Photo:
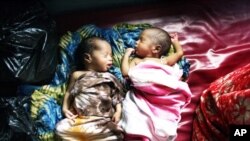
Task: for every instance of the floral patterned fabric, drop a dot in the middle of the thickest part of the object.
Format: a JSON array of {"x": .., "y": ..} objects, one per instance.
[
  {"x": 226, "y": 102},
  {"x": 95, "y": 96}
]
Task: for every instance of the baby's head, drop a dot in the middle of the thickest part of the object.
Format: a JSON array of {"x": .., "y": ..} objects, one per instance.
[
  {"x": 153, "y": 42},
  {"x": 95, "y": 54}
]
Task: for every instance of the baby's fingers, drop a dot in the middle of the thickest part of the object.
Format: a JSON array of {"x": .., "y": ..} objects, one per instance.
[
  {"x": 114, "y": 119},
  {"x": 70, "y": 115},
  {"x": 174, "y": 36},
  {"x": 129, "y": 51}
]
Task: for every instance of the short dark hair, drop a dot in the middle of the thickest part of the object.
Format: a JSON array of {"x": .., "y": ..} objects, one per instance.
[
  {"x": 162, "y": 38},
  {"x": 86, "y": 46}
]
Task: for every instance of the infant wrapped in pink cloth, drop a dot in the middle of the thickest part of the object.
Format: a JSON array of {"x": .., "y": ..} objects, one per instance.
[{"x": 152, "y": 107}]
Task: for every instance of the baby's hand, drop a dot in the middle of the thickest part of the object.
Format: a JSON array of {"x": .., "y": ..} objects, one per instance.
[
  {"x": 116, "y": 117},
  {"x": 68, "y": 114},
  {"x": 129, "y": 51},
  {"x": 174, "y": 37}
]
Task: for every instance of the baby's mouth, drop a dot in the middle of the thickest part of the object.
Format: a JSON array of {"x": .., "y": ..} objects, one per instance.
[
  {"x": 109, "y": 65},
  {"x": 135, "y": 52}
]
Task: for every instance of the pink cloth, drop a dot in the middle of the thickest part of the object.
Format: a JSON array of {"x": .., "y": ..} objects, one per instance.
[{"x": 153, "y": 108}]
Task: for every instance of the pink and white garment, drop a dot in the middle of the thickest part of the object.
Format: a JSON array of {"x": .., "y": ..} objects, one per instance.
[{"x": 152, "y": 108}]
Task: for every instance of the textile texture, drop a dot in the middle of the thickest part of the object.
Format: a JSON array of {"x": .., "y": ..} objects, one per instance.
[{"x": 152, "y": 107}]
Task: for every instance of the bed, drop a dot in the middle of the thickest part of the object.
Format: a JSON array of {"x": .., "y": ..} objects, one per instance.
[{"x": 215, "y": 36}]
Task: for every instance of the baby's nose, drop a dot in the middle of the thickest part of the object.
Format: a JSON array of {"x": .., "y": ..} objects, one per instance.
[{"x": 110, "y": 58}]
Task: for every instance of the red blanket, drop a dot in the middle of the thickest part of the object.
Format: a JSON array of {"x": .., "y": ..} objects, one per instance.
[{"x": 226, "y": 102}]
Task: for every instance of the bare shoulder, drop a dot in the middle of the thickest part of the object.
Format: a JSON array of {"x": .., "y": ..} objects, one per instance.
[
  {"x": 77, "y": 74},
  {"x": 135, "y": 61}
]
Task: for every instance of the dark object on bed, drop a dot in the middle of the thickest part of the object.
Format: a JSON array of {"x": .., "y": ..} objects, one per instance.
[
  {"x": 15, "y": 122},
  {"x": 28, "y": 43}
]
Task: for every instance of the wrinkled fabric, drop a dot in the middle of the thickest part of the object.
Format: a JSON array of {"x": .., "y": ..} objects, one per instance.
[
  {"x": 153, "y": 105},
  {"x": 45, "y": 110},
  {"x": 95, "y": 96},
  {"x": 89, "y": 128},
  {"x": 225, "y": 102}
]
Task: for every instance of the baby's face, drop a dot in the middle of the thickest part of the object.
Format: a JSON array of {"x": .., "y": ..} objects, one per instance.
[
  {"x": 144, "y": 44},
  {"x": 102, "y": 57}
]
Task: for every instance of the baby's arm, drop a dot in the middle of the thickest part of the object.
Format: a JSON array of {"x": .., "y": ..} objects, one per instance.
[
  {"x": 173, "y": 58},
  {"x": 117, "y": 115},
  {"x": 67, "y": 98},
  {"x": 125, "y": 62}
]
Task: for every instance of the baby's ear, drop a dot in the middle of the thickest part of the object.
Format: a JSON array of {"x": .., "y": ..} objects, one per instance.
[
  {"x": 87, "y": 57},
  {"x": 157, "y": 49}
]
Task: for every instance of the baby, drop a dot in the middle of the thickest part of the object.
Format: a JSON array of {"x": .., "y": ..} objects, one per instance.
[
  {"x": 152, "y": 106},
  {"x": 153, "y": 44},
  {"x": 92, "y": 103}
]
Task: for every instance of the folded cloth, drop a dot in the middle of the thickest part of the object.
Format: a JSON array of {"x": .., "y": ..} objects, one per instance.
[
  {"x": 226, "y": 102},
  {"x": 89, "y": 128},
  {"x": 153, "y": 106}
]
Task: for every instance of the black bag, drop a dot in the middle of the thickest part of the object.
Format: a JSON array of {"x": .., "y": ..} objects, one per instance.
[
  {"x": 28, "y": 43},
  {"x": 15, "y": 121}
]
